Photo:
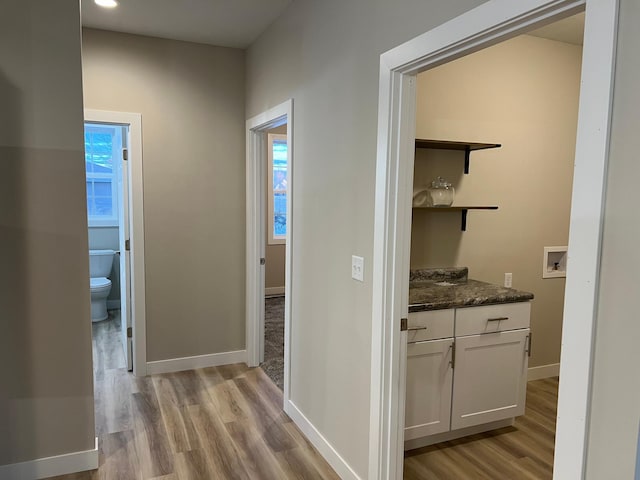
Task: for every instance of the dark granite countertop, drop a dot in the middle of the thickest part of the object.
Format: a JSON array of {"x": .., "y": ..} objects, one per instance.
[{"x": 435, "y": 289}]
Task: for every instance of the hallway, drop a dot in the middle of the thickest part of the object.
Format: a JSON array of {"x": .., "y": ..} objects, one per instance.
[{"x": 214, "y": 423}]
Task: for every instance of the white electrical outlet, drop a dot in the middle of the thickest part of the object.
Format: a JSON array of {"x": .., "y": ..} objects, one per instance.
[
  {"x": 357, "y": 268},
  {"x": 508, "y": 280}
]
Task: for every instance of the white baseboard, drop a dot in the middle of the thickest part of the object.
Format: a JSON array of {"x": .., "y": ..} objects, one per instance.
[
  {"x": 342, "y": 468},
  {"x": 199, "y": 361},
  {"x": 269, "y": 291},
  {"x": 52, "y": 466},
  {"x": 543, "y": 371}
]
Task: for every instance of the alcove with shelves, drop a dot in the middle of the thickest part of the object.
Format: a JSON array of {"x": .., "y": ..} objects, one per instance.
[{"x": 467, "y": 148}]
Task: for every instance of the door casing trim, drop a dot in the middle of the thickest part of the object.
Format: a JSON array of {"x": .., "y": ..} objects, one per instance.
[
  {"x": 256, "y": 159},
  {"x": 136, "y": 229}
]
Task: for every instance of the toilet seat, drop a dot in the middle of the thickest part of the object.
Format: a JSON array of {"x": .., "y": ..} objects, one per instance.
[{"x": 100, "y": 282}]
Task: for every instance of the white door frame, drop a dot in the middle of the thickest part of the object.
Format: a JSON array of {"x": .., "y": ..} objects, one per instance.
[
  {"x": 136, "y": 228},
  {"x": 256, "y": 233},
  {"x": 486, "y": 25}
]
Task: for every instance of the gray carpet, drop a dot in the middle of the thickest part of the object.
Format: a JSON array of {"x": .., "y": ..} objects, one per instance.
[{"x": 273, "y": 364}]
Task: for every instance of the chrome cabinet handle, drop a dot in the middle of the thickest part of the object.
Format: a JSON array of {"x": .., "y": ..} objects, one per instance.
[
  {"x": 416, "y": 328},
  {"x": 497, "y": 319}
]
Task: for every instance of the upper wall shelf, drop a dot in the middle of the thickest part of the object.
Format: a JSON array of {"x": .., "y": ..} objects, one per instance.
[
  {"x": 466, "y": 147},
  {"x": 462, "y": 209}
]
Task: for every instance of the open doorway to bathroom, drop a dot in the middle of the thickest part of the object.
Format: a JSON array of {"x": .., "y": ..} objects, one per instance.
[
  {"x": 106, "y": 155},
  {"x": 113, "y": 142}
]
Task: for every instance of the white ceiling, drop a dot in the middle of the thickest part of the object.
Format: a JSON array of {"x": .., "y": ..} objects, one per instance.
[
  {"x": 226, "y": 23},
  {"x": 568, "y": 30},
  {"x": 234, "y": 23}
]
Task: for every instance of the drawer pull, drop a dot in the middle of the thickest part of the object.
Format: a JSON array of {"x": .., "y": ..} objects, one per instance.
[
  {"x": 497, "y": 319},
  {"x": 416, "y": 328}
]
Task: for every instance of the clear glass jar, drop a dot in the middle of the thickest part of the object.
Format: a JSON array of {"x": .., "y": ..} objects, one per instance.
[{"x": 441, "y": 193}]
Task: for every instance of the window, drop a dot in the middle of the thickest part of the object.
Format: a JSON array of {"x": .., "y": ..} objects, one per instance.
[
  {"x": 102, "y": 151},
  {"x": 277, "y": 188}
]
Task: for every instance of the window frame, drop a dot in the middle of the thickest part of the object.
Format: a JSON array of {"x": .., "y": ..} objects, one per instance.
[
  {"x": 114, "y": 177},
  {"x": 272, "y": 238}
]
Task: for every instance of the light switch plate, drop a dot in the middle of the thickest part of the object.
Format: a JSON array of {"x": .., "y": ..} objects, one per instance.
[
  {"x": 508, "y": 280},
  {"x": 357, "y": 268}
]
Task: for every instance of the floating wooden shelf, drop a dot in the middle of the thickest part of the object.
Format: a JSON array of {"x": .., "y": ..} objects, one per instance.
[
  {"x": 466, "y": 147},
  {"x": 462, "y": 209}
]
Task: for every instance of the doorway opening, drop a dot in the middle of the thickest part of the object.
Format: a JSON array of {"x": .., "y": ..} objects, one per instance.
[
  {"x": 116, "y": 248},
  {"x": 276, "y": 189},
  {"x": 522, "y": 103},
  {"x": 269, "y": 242},
  {"x": 488, "y": 24},
  {"x": 106, "y": 155}
]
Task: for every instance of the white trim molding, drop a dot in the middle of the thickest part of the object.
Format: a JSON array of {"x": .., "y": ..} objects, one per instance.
[
  {"x": 52, "y": 466},
  {"x": 330, "y": 454},
  {"x": 490, "y": 23},
  {"x": 198, "y": 361},
  {"x": 543, "y": 371},
  {"x": 256, "y": 233},
  {"x": 136, "y": 229}
]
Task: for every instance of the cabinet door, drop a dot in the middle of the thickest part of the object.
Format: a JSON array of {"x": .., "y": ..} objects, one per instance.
[
  {"x": 429, "y": 382},
  {"x": 490, "y": 381}
]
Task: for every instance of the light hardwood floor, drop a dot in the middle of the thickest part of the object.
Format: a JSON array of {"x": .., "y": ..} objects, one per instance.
[
  {"x": 524, "y": 451},
  {"x": 227, "y": 423},
  {"x": 213, "y": 423}
]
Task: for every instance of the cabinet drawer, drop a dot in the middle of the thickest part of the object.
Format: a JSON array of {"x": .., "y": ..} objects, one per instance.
[
  {"x": 492, "y": 318},
  {"x": 430, "y": 325}
]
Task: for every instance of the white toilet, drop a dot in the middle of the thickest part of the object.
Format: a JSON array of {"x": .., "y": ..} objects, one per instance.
[{"x": 100, "y": 263}]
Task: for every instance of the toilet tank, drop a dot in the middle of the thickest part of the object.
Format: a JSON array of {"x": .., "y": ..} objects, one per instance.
[{"x": 100, "y": 263}]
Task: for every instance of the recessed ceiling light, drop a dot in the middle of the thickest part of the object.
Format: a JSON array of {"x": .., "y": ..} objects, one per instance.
[{"x": 106, "y": 3}]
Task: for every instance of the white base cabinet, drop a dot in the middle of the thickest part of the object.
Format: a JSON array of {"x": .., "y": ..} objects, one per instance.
[
  {"x": 490, "y": 380},
  {"x": 477, "y": 377},
  {"x": 429, "y": 381}
]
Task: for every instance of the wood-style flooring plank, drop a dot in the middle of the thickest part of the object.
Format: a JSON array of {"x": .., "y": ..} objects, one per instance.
[
  {"x": 213, "y": 423},
  {"x": 227, "y": 423},
  {"x": 313, "y": 456},
  {"x": 180, "y": 430},
  {"x": 222, "y": 454},
  {"x": 119, "y": 456},
  {"x": 152, "y": 443},
  {"x": 229, "y": 402},
  {"x": 268, "y": 421},
  {"x": 259, "y": 460}
]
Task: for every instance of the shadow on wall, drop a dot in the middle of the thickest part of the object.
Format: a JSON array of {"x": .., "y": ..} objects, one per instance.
[{"x": 15, "y": 354}]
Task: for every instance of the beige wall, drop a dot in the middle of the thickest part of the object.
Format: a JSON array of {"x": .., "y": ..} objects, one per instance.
[
  {"x": 326, "y": 55},
  {"x": 192, "y": 104},
  {"x": 46, "y": 390},
  {"x": 274, "y": 254},
  {"x": 615, "y": 401},
  {"x": 522, "y": 94}
]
